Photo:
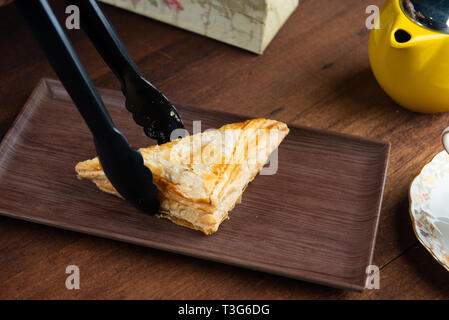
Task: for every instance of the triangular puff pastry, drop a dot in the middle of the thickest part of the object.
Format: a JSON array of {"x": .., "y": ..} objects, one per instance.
[{"x": 201, "y": 177}]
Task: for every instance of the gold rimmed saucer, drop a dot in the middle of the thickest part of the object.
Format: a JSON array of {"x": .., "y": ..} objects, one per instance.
[{"x": 429, "y": 207}]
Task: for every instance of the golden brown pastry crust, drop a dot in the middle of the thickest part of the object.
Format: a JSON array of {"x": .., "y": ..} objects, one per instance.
[{"x": 201, "y": 177}]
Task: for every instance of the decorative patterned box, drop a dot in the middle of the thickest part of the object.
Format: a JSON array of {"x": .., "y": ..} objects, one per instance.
[{"x": 248, "y": 24}]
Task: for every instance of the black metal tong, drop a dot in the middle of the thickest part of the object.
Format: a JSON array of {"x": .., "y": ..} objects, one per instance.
[{"x": 123, "y": 165}]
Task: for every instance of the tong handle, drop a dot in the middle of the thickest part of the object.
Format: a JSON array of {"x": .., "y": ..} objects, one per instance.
[
  {"x": 123, "y": 165},
  {"x": 65, "y": 62},
  {"x": 105, "y": 39},
  {"x": 149, "y": 107}
]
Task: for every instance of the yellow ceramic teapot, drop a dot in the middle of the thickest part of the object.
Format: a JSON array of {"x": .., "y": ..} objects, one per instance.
[{"x": 409, "y": 53}]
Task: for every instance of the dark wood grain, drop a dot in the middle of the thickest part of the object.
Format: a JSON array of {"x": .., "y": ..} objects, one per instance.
[
  {"x": 315, "y": 73},
  {"x": 315, "y": 219}
]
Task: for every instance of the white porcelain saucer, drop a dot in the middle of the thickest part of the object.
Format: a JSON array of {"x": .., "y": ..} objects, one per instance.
[{"x": 429, "y": 207}]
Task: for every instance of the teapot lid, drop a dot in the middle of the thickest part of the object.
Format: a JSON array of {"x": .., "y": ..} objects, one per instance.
[{"x": 433, "y": 14}]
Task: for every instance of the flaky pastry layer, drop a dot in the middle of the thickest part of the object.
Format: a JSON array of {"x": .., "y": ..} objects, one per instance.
[{"x": 201, "y": 177}]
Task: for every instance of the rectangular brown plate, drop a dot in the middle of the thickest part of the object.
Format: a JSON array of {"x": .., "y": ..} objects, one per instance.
[{"x": 315, "y": 219}]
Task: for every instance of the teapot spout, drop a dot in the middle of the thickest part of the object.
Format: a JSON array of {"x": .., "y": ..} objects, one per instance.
[{"x": 401, "y": 38}]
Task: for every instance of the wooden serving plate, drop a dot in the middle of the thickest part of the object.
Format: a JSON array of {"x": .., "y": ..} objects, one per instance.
[{"x": 315, "y": 219}]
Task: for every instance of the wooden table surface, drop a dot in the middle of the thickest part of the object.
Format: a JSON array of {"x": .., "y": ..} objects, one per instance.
[{"x": 315, "y": 73}]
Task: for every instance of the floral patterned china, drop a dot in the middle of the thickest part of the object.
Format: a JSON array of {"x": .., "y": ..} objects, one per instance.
[{"x": 429, "y": 207}]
